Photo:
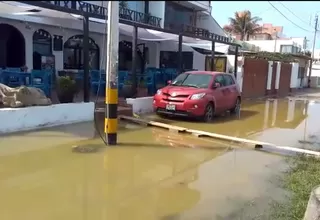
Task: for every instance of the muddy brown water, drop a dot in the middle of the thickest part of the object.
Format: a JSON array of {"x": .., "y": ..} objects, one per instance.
[
  {"x": 288, "y": 122},
  {"x": 152, "y": 174}
]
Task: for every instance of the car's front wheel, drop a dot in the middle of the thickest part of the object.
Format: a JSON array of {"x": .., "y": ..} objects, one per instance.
[{"x": 208, "y": 113}]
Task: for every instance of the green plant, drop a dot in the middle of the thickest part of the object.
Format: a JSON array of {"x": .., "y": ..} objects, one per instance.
[
  {"x": 66, "y": 85},
  {"x": 283, "y": 57},
  {"x": 299, "y": 181}
]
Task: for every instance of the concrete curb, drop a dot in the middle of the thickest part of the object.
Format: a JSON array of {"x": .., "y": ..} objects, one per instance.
[{"x": 313, "y": 208}]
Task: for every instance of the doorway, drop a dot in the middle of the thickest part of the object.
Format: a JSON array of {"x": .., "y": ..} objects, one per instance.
[{"x": 12, "y": 47}]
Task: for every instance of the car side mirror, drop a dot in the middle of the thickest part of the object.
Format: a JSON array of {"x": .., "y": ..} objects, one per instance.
[
  {"x": 216, "y": 85},
  {"x": 169, "y": 82}
]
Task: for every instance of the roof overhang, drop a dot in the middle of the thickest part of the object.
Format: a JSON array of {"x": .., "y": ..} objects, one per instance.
[
  {"x": 35, "y": 13},
  {"x": 99, "y": 12}
]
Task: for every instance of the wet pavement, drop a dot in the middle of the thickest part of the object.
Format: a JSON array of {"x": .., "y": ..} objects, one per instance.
[{"x": 153, "y": 174}]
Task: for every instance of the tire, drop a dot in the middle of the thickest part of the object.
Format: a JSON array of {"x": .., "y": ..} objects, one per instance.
[
  {"x": 208, "y": 113},
  {"x": 236, "y": 107}
]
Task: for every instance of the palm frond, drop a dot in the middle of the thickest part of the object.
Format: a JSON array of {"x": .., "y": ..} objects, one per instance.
[{"x": 244, "y": 24}]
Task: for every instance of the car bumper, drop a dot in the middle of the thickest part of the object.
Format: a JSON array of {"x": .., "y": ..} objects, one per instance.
[{"x": 189, "y": 108}]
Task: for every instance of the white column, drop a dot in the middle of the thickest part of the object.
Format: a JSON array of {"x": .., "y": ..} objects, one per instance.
[
  {"x": 58, "y": 55},
  {"x": 240, "y": 73},
  {"x": 157, "y": 55},
  {"x": 294, "y": 75},
  {"x": 270, "y": 70},
  {"x": 278, "y": 75},
  {"x": 28, "y": 34}
]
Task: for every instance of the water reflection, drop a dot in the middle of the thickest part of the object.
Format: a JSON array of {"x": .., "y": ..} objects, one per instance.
[{"x": 281, "y": 121}]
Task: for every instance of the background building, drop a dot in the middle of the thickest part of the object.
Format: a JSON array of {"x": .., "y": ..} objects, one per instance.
[{"x": 36, "y": 31}]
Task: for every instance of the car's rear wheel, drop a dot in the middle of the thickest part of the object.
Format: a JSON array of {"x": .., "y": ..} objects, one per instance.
[
  {"x": 208, "y": 113},
  {"x": 236, "y": 107}
]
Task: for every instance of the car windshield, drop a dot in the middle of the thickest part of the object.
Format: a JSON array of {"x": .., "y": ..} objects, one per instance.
[{"x": 192, "y": 80}]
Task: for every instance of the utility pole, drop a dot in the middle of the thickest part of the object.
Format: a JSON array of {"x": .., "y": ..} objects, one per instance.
[
  {"x": 313, "y": 46},
  {"x": 275, "y": 42},
  {"x": 111, "y": 99}
]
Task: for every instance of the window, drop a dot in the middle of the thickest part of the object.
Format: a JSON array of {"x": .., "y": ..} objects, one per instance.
[
  {"x": 228, "y": 80},
  {"x": 301, "y": 72},
  {"x": 73, "y": 53},
  {"x": 193, "y": 80},
  {"x": 42, "y": 46},
  {"x": 42, "y": 42},
  {"x": 286, "y": 49},
  {"x": 177, "y": 15},
  {"x": 169, "y": 59},
  {"x": 220, "y": 79}
]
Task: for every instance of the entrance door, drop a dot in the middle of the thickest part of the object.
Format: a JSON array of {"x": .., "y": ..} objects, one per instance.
[{"x": 12, "y": 47}]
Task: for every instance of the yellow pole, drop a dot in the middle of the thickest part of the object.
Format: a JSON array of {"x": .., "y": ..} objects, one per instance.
[{"x": 111, "y": 107}]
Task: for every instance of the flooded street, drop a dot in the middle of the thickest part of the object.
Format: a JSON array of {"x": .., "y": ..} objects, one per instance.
[
  {"x": 285, "y": 122},
  {"x": 153, "y": 174}
]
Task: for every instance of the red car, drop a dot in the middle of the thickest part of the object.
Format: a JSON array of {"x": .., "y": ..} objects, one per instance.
[{"x": 200, "y": 94}]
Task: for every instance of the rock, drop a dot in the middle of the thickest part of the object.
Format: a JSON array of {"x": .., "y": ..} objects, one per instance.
[{"x": 22, "y": 96}]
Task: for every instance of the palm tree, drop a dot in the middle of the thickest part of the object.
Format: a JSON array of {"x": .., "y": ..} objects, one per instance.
[{"x": 244, "y": 24}]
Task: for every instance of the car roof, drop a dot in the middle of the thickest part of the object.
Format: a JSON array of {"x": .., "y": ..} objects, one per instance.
[{"x": 205, "y": 72}]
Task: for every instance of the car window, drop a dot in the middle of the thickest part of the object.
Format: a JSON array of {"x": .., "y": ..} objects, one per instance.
[
  {"x": 220, "y": 79},
  {"x": 229, "y": 80},
  {"x": 193, "y": 80}
]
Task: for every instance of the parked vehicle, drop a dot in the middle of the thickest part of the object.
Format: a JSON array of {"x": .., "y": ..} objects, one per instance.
[{"x": 200, "y": 94}]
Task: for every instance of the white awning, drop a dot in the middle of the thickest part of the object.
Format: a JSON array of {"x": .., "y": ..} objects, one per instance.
[{"x": 152, "y": 35}]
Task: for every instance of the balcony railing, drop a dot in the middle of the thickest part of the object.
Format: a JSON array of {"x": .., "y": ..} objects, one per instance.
[
  {"x": 140, "y": 17},
  {"x": 93, "y": 10},
  {"x": 197, "y": 32}
]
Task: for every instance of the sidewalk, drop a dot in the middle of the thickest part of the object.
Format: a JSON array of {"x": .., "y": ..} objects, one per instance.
[{"x": 307, "y": 93}]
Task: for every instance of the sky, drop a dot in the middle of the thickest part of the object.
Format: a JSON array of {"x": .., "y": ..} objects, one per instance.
[{"x": 303, "y": 13}]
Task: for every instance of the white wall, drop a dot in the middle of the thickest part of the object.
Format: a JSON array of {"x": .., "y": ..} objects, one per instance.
[
  {"x": 299, "y": 41},
  {"x": 141, "y": 105},
  {"x": 295, "y": 82},
  {"x": 65, "y": 32},
  {"x": 21, "y": 119},
  {"x": 317, "y": 53},
  {"x": 268, "y": 45},
  {"x": 100, "y": 39},
  {"x": 230, "y": 62}
]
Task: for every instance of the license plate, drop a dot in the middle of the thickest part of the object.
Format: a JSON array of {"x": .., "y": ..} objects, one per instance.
[{"x": 171, "y": 107}]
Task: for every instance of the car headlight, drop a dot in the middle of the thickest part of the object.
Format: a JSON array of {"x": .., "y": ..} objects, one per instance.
[
  {"x": 159, "y": 92},
  {"x": 197, "y": 96}
]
